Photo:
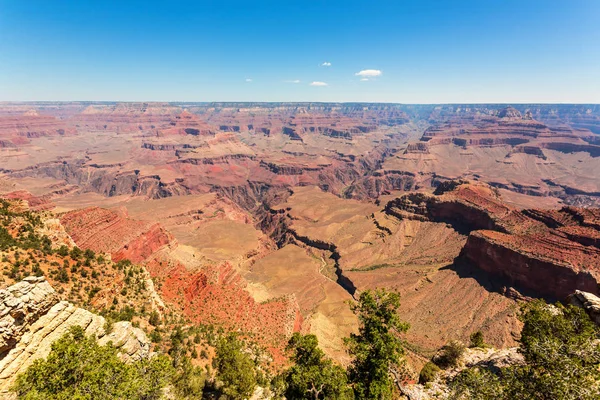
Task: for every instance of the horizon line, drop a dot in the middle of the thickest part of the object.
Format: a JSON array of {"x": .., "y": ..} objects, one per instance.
[{"x": 294, "y": 102}]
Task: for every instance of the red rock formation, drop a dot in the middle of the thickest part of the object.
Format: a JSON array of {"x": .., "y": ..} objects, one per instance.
[
  {"x": 125, "y": 117},
  {"x": 551, "y": 252},
  {"x": 549, "y": 264},
  {"x": 510, "y": 128},
  {"x": 216, "y": 295},
  {"x": 187, "y": 123},
  {"x": 19, "y": 129},
  {"x": 35, "y": 203},
  {"x": 107, "y": 231}
]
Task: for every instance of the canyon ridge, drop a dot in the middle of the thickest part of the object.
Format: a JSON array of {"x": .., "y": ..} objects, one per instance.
[{"x": 271, "y": 218}]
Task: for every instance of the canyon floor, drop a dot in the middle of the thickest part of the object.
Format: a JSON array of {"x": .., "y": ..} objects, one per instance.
[{"x": 271, "y": 218}]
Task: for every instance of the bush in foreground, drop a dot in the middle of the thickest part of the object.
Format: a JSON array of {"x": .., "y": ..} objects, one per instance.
[
  {"x": 428, "y": 373},
  {"x": 313, "y": 376},
  {"x": 562, "y": 360},
  {"x": 79, "y": 368}
]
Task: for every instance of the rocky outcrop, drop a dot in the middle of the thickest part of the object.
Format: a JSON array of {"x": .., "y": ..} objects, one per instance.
[
  {"x": 509, "y": 112},
  {"x": 465, "y": 207},
  {"x": 20, "y": 306},
  {"x": 552, "y": 253},
  {"x": 588, "y": 301},
  {"x": 417, "y": 148},
  {"x": 510, "y": 128},
  {"x": 33, "y": 318},
  {"x": 489, "y": 358},
  {"x": 187, "y": 123},
  {"x": 17, "y": 130},
  {"x": 126, "y": 117},
  {"x": 35, "y": 203},
  {"x": 546, "y": 264}
]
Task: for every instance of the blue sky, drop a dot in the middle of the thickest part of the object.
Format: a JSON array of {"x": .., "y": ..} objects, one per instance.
[{"x": 426, "y": 51}]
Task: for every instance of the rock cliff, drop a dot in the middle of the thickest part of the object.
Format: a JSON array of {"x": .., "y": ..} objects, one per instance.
[
  {"x": 32, "y": 318},
  {"x": 550, "y": 252}
]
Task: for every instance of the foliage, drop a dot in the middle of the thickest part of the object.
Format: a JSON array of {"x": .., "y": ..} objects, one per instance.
[
  {"x": 126, "y": 313},
  {"x": 477, "y": 339},
  {"x": 6, "y": 240},
  {"x": 450, "y": 355},
  {"x": 478, "y": 384},
  {"x": 377, "y": 347},
  {"x": 79, "y": 368},
  {"x": 562, "y": 359},
  {"x": 236, "y": 371},
  {"x": 154, "y": 319},
  {"x": 313, "y": 376},
  {"x": 428, "y": 372},
  {"x": 75, "y": 253},
  {"x": 189, "y": 381},
  {"x": 63, "y": 251}
]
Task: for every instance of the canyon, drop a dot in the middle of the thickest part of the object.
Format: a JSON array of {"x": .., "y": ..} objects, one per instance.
[{"x": 269, "y": 218}]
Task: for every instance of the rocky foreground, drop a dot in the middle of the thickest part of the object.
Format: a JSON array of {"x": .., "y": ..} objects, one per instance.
[{"x": 32, "y": 318}]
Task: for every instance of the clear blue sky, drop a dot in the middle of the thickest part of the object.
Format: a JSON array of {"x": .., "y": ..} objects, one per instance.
[{"x": 426, "y": 51}]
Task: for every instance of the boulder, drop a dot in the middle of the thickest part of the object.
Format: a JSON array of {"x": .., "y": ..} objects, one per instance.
[{"x": 588, "y": 301}]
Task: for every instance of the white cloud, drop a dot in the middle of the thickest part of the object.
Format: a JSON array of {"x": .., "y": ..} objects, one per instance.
[
  {"x": 293, "y": 81},
  {"x": 248, "y": 80},
  {"x": 318, "y": 83},
  {"x": 369, "y": 73},
  {"x": 326, "y": 64}
]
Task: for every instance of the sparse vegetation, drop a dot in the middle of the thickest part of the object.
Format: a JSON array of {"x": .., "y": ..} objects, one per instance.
[
  {"x": 477, "y": 340},
  {"x": 562, "y": 360}
]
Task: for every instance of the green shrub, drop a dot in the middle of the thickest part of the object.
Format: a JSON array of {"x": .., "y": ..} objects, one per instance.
[
  {"x": 313, "y": 376},
  {"x": 377, "y": 347},
  {"x": 562, "y": 360},
  {"x": 428, "y": 373},
  {"x": 79, "y": 368},
  {"x": 477, "y": 339},
  {"x": 154, "y": 319},
  {"x": 75, "y": 253},
  {"x": 155, "y": 336},
  {"x": 189, "y": 381},
  {"x": 450, "y": 355},
  {"x": 62, "y": 276}
]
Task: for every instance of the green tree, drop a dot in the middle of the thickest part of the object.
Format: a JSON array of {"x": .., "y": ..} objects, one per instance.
[
  {"x": 236, "y": 371},
  {"x": 154, "y": 319},
  {"x": 562, "y": 359},
  {"x": 189, "y": 380},
  {"x": 79, "y": 368},
  {"x": 63, "y": 251},
  {"x": 313, "y": 376},
  {"x": 477, "y": 339},
  {"x": 75, "y": 253},
  {"x": 377, "y": 348}
]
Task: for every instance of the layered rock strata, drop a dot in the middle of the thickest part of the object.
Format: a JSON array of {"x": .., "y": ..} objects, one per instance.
[{"x": 551, "y": 252}]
